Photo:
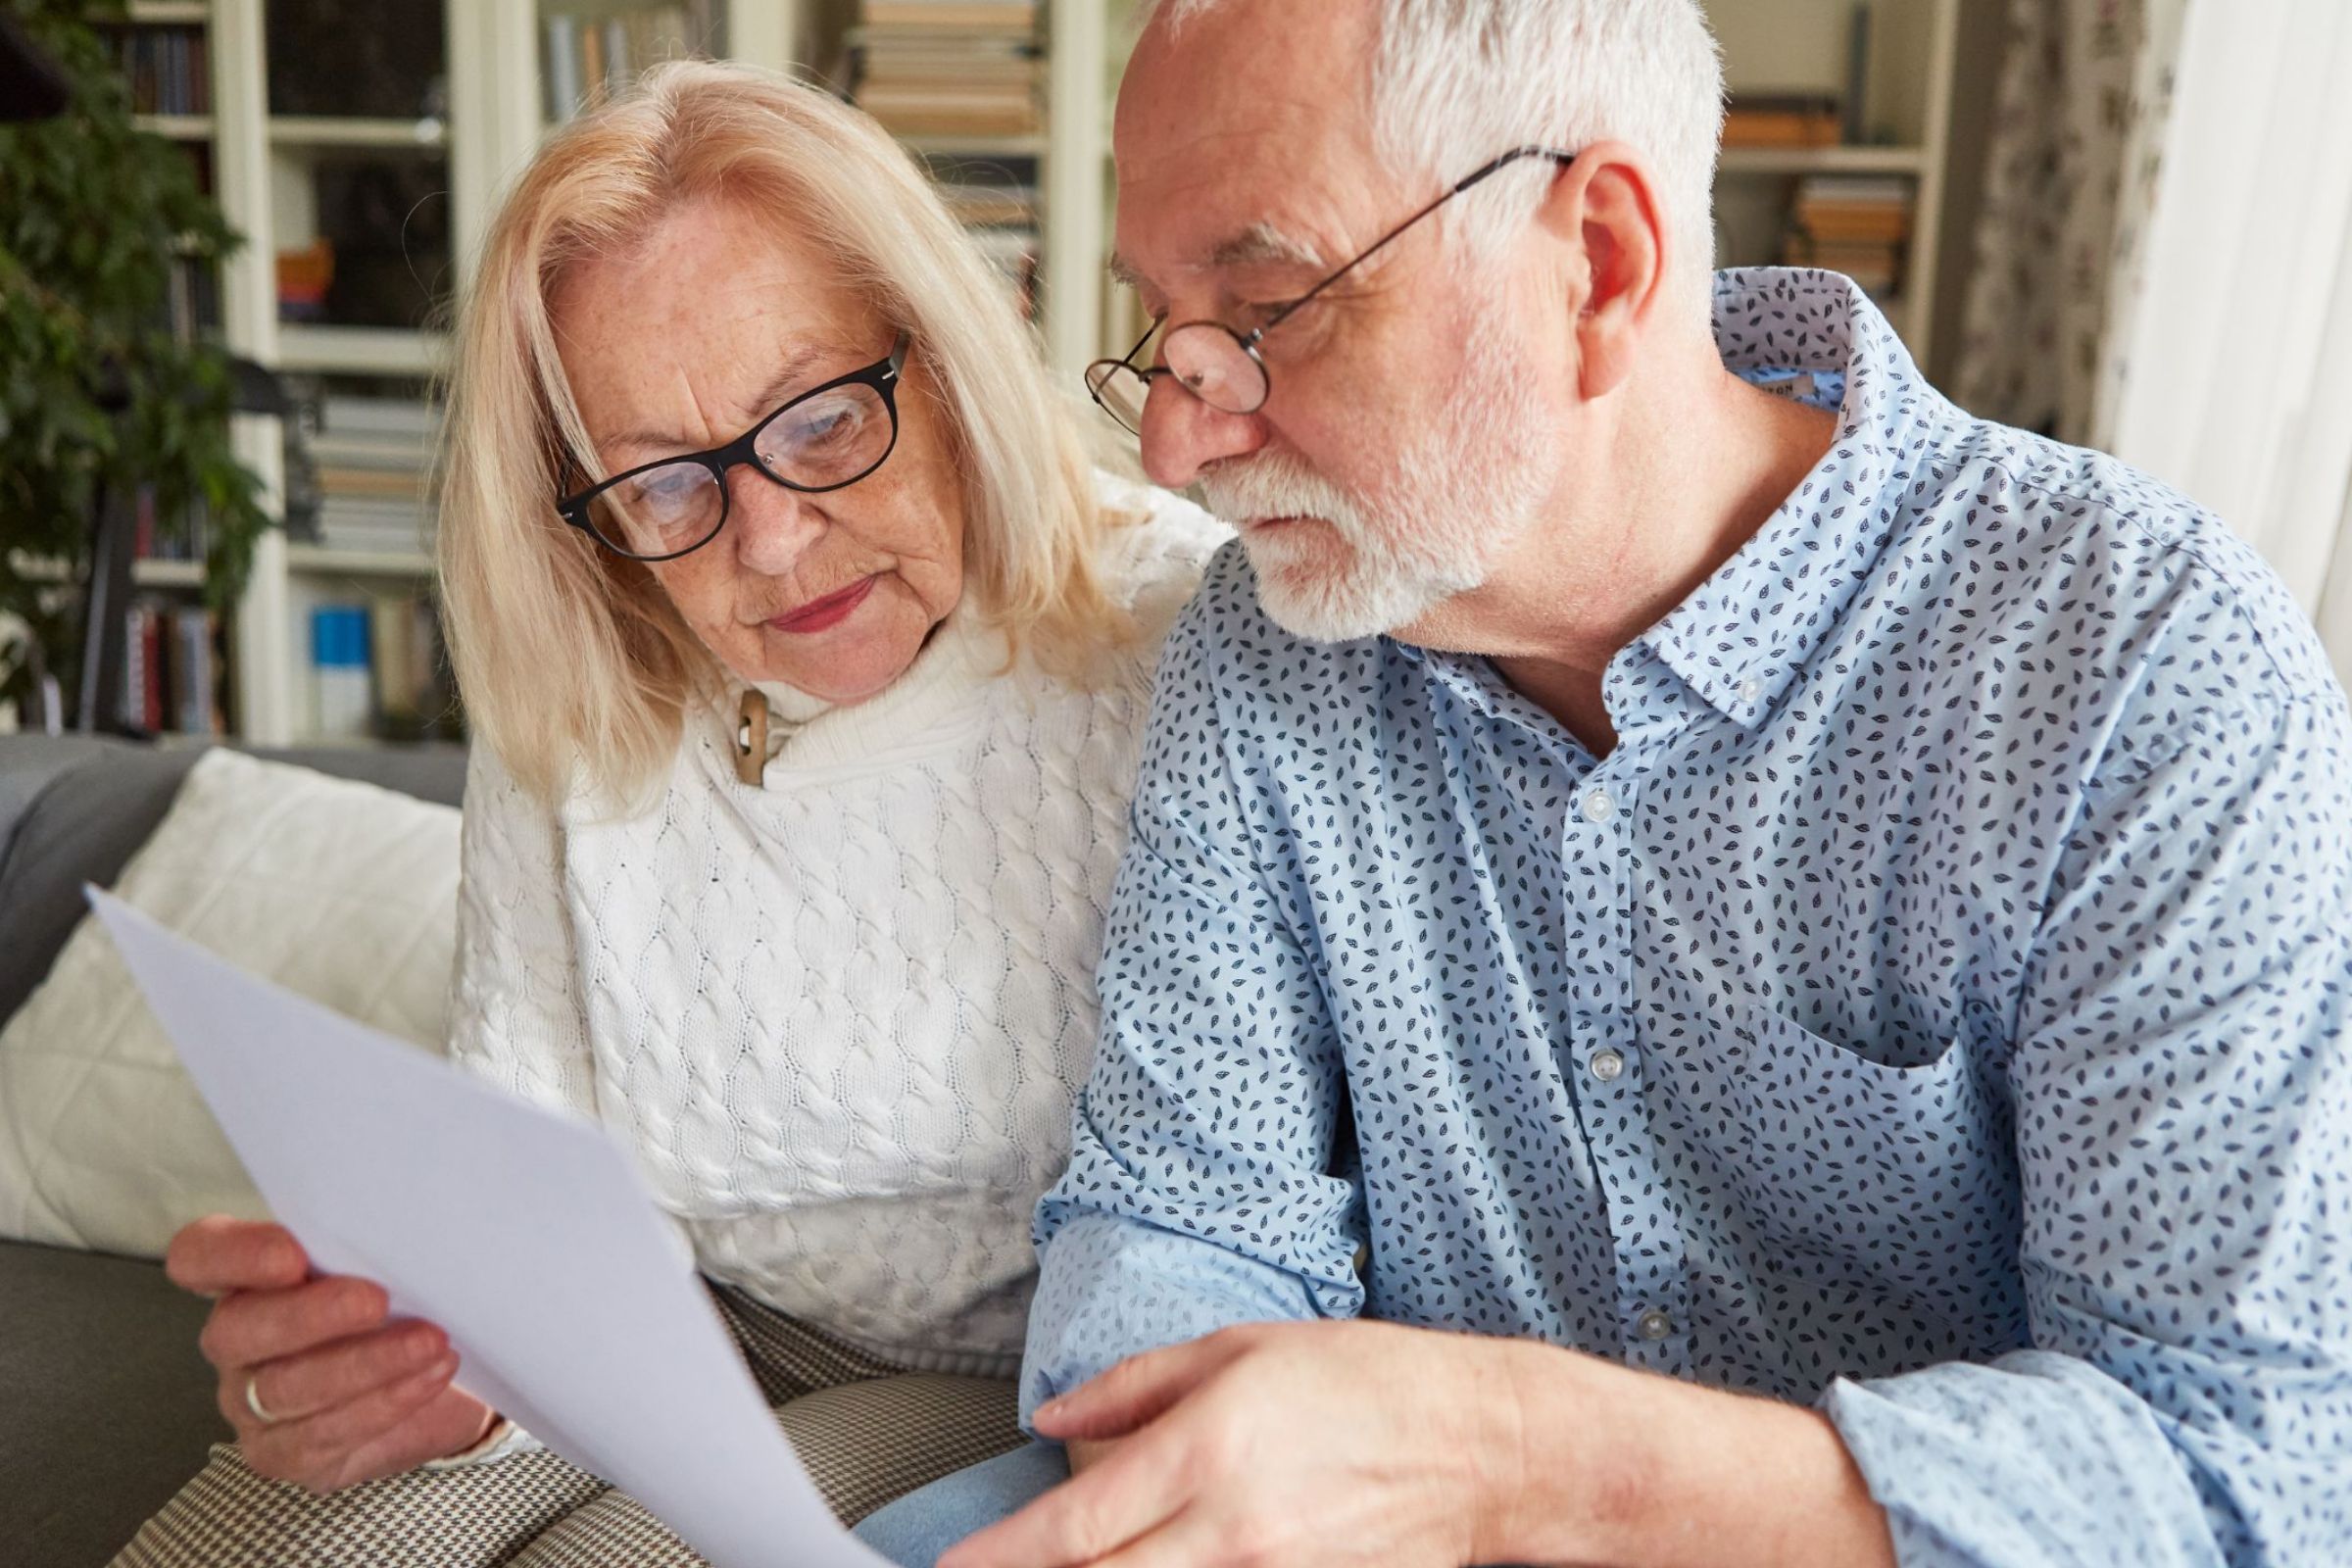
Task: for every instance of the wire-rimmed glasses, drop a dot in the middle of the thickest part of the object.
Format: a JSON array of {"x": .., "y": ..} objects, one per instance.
[
  {"x": 1222, "y": 368},
  {"x": 826, "y": 438}
]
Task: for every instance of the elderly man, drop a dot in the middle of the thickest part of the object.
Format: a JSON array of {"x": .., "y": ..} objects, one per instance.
[{"x": 1719, "y": 964}]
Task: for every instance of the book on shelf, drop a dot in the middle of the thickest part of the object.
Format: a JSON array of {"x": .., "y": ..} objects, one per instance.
[
  {"x": 990, "y": 206},
  {"x": 972, "y": 112},
  {"x": 1784, "y": 121},
  {"x": 953, "y": 15},
  {"x": 171, "y": 673},
  {"x": 1856, "y": 124},
  {"x": 360, "y": 526},
  {"x": 381, "y": 418},
  {"x": 404, "y": 645},
  {"x": 587, "y": 57},
  {"x": 379, "y": 668},
  {"x": 168, "y": 66},
  {"x": 150, "y": 541},
  {"x": 369, "y": 481},
  {"x": 192, "y": 299}
]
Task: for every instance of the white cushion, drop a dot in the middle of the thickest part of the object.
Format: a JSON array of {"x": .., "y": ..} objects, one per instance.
[{"x": 343, "y": 892}]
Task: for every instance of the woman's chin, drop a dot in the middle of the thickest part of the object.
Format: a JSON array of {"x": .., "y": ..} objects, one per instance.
[{"x": 846, "y": 676}]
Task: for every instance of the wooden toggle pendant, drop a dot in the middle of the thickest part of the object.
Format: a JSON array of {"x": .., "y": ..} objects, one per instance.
[{"x": 750, "y": 739}]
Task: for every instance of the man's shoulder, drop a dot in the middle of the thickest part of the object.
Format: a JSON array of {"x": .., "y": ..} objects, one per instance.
[{"x": 2064, "y": 543}]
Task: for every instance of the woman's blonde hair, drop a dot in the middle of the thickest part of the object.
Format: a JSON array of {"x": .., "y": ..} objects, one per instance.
[{"x": 572, "y": 663}]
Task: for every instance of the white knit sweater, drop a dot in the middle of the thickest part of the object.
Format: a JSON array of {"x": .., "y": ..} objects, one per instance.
[{"x": 839, "y": 1019}]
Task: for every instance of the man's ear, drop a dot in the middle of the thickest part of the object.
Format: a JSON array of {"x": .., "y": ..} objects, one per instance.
[{"x": 1604, "y": 209}]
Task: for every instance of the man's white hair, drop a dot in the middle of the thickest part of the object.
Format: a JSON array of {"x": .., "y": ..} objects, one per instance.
[{"x": 1455, "y": 82}]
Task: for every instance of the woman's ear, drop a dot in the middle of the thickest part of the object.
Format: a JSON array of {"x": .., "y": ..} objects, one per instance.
[{"x": 1603, "y": 211}]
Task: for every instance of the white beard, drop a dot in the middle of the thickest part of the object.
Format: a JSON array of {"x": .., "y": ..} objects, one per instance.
[{"x": 1457, "y": 499}]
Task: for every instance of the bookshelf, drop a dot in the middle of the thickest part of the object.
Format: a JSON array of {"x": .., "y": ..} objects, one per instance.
[
  {"x": 1860, "y": 179},
  {"x": 311, "y": 137}
]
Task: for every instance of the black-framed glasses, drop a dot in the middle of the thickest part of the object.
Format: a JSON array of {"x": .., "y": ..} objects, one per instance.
[
  {"x": 826, "y": 438},
  {"x": 1222, "y": 368}
]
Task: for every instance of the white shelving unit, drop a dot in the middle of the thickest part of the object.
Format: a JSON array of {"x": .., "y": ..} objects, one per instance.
[
  {"x": 177, "y": 127},
  {"x": 492, "y": 127},
  {"x": 1779, "y": 46}
]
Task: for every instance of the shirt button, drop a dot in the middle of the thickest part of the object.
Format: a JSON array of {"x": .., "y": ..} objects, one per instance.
[
  {"x": 1607, "y": 1066},
  {"x": 1750, "y": 689},
  {"x": 1654, "y": 1325},
  {"x": 1599, "y": 807}
]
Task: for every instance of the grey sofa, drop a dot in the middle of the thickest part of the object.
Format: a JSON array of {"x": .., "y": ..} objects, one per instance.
[{"x": 105, "y": 1405}]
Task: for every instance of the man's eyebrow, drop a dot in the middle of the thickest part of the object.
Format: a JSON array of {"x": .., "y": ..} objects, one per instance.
[{"x": 1259, "y": 245}]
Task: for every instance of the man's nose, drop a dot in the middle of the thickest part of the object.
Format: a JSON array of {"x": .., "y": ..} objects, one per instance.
[
  {"x": 773, "y": 526},
  {"x": 1182, "y": 435}
]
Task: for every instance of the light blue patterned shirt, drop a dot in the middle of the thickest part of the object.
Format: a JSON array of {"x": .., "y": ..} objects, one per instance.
[{"x": 1932, "y": 1009}]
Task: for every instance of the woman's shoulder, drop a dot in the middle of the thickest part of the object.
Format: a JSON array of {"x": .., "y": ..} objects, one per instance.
[{"x": 1153, "y": 550}]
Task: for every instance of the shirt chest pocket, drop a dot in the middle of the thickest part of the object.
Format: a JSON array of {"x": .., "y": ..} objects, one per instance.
[{"x": 1895, "y": 1179}]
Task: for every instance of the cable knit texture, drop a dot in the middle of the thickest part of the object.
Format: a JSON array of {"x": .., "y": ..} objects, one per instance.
[{"x": 838, "y": 1019}]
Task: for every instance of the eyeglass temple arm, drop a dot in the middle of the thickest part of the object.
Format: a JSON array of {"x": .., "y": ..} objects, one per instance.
[{"x": 1481, "y": 173}]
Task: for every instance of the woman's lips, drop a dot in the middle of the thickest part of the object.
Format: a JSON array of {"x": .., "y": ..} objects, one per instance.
[{"x": 819, "y": 615}]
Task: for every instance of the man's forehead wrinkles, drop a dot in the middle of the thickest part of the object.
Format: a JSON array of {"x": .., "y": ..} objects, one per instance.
[{"x": 1261, "y": 242}]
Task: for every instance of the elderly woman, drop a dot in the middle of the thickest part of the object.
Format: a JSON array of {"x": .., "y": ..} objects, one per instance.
[{"x": 807, "y": 664}]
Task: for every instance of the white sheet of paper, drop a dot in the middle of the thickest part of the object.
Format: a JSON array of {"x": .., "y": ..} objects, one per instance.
[{"x": 525, "y": 1235}]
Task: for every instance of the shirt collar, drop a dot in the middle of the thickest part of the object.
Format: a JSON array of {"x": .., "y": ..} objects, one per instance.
[{"x": 1740, "y": 639}]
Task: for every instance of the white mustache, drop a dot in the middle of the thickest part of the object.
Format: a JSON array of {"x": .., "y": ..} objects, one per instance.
[{"x": 1278, "y": 486}]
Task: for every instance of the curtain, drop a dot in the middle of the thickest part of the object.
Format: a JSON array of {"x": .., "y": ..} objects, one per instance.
[
  {"x": 2081, "y": 114},
  {"x": 2233, "y": 351}
]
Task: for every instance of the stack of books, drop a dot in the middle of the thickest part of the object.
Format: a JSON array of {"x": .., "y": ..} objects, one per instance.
[
  {"x": 372, "y": 456},
  {"x": 1857, "y": 225},
  {"x": 171, "y": 676},
  {"x": 587, "y": 57},
  {"x": 948, "y": 67}
]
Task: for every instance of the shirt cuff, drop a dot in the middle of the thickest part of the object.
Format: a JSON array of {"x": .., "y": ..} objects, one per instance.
[
  {"x": 1110, "y": 1287},
  {"x": 503, "y": 1441}
]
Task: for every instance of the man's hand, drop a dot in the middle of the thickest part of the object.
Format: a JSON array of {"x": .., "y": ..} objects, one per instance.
[
  {"x": 1290, "y": 1443},
  {"x": 1299, "y": 1443}
]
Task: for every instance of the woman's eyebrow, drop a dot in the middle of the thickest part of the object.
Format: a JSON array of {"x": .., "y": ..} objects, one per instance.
[{"x": 798, "y": 366}]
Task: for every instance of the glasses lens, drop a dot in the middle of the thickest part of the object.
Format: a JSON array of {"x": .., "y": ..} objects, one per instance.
[
  {"x": 1210, "y": 364},
  {"x": 661, "y": 511},
  {"x": 1120, "y": 390},
  {"x": 826, "y": 441}
]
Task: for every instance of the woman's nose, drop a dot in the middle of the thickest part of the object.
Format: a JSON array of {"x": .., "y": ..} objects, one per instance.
[
  {"x": 1182, "y": 435},
  {"x": 773, "y": 526}
]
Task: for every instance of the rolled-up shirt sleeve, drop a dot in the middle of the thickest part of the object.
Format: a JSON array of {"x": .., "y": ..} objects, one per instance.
[
  {"x": 2182, "y": 1099},
  {"x": 1201, "y": 1188}
]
